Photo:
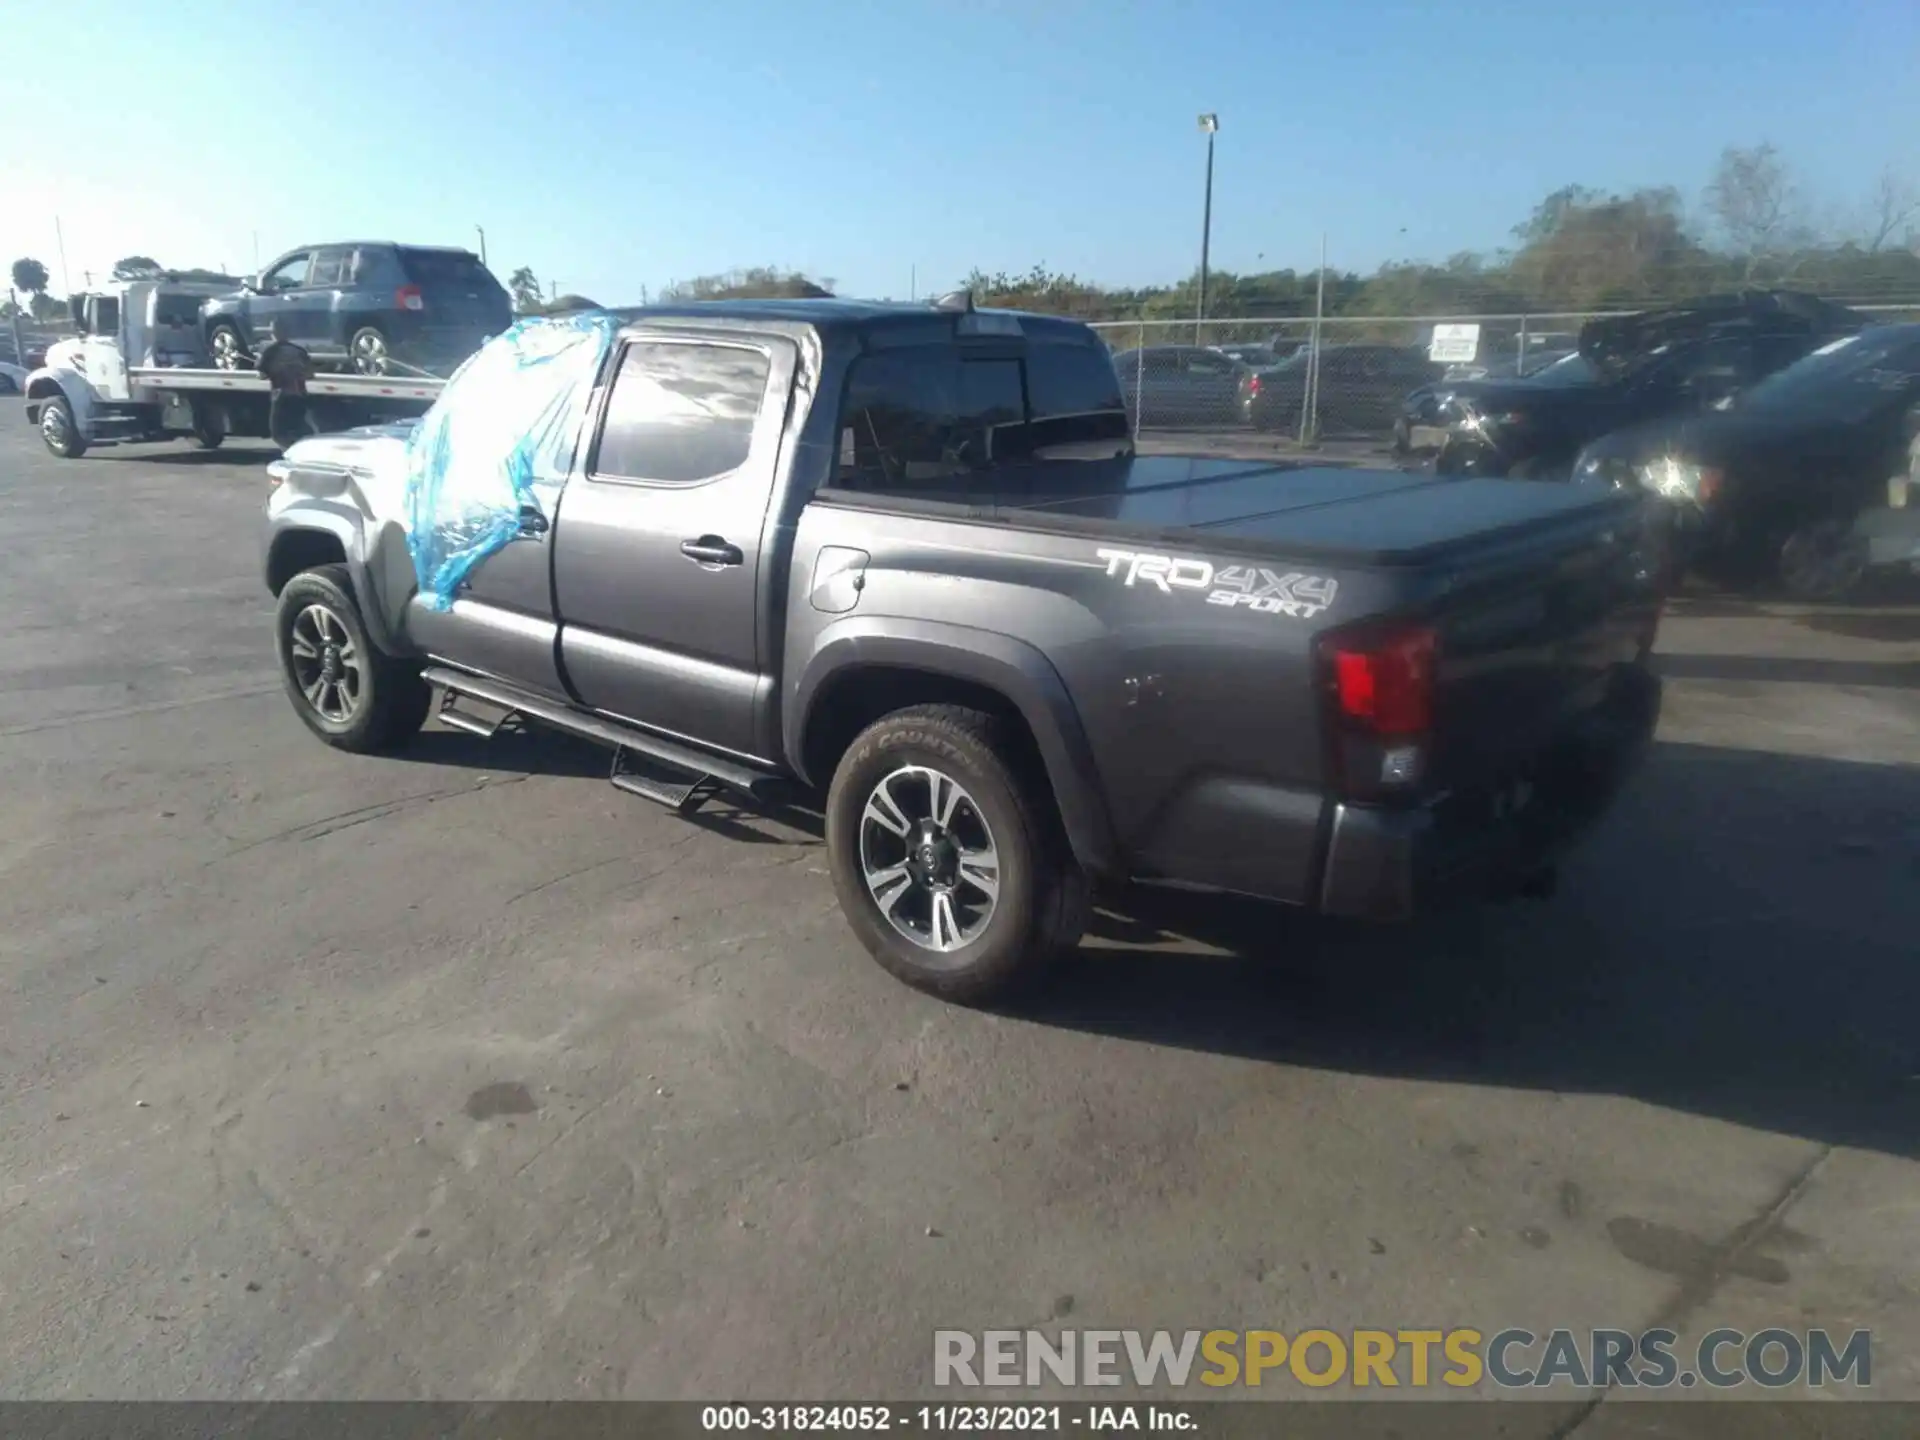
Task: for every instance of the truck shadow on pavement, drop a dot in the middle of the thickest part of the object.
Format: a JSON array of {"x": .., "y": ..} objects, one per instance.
[
  {"x": 1879, "y": 674},
  {"x": 225, "y": 458},
  {"x": 537, "y": 751},
  {"x": 1739, "y": 940}
]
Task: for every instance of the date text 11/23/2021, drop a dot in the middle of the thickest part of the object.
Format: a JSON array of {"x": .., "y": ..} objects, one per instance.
[{"x": 943, "y": 1419}]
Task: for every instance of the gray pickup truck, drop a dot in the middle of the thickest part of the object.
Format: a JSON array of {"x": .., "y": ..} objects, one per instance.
[{"x": 905, "y": 560}]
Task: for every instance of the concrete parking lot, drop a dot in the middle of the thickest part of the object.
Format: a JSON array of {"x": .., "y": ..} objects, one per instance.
[{"x": 462, "y": 1075}]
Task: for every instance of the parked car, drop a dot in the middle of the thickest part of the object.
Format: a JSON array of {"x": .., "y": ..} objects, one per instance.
[
  {"x": 1175, "y": 386},
  {"x": 1505, "y": 368},
  {"x": 1421, "y": 426},
  {"x": 13, "y": 379},
  {"x": 373, "y": 307},
  {"x": 1771, "y": 488},
  {"x": 1681, "y": 358},
  {"x": 1359, "y": 389},
  {"x": 906, "y": 562},
  {"x": 1254, "y": 357}
]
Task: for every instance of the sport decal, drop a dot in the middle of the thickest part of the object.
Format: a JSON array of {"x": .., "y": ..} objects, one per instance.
[{"x": 1245, "y": 586}]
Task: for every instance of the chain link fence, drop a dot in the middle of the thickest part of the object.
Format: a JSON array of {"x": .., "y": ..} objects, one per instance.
[{"x": 1342, "y": 377}]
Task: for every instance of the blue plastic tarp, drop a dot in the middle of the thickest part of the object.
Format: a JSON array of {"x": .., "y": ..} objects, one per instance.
[{"x": 500, "y": 439}]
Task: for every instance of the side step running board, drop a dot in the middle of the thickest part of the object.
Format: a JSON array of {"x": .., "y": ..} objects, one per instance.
[
  {"x": 673, "y": 775},
  {"x": 633, "y": 774}
]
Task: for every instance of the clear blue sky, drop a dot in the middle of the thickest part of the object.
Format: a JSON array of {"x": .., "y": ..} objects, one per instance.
[{"x": 612, "y": 146}]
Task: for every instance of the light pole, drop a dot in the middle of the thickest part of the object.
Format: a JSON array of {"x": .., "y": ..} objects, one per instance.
[
  {"x": 481, "y": 232},
  {"x": 1210, "y": 123}
]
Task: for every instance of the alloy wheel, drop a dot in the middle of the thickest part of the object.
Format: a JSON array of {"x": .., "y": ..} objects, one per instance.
[
  {"x": 370, "y": 353},
  {"x": 327, "y": 665},
  {"x": 928, "y": 858}
]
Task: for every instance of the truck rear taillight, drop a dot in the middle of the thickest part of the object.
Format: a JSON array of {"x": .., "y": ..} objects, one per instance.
[
  {"x": 1253, "y": 385},
  {"x": 408, "y": 297},
  {"x": 1379, "y": 686},
  {"x": 1384, "y": 684}
]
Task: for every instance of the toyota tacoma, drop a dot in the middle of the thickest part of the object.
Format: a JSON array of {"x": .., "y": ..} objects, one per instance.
[{"x": 903, "y": 560}]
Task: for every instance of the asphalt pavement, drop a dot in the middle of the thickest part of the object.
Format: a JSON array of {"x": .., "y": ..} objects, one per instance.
[{"x": 462, "y": 1075}]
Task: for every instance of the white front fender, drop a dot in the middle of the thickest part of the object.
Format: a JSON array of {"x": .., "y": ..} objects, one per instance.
[{"x": 50, "y": 380}]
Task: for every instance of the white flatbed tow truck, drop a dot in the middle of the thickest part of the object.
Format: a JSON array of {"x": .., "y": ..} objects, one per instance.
[{"x": 87, "y": 393}]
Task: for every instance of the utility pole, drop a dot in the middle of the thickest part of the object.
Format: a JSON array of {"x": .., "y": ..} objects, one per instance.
[
  {"x": 60, "y": 239},
  {"x": 1310, "y": 407},
  {"x": 1209, "y": 123},
  {"x": 19, "y": 347}
]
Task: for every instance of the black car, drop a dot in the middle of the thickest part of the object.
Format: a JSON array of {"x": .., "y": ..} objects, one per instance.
[
  {"x": 1359, "y": 389},
  {"x": 1770, "y": 487},
  {"x": 1422, "y": 427},
  {"x": 374, "y": 307},
  {"x": 1181, "y": 385},
  {"x": 1682, "y": 359}
]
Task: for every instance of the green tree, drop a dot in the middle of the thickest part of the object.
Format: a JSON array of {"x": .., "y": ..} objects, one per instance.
[
  {"x": 760, "y": 282},
  {"x": 565, "y": 305},
  {"x": 1551, "y": 212},
  {"x": 524, "y": 286},
  {"x": 136, "y": 267},
  {"x": 1758, "y": 206},
  {"x": 1616, "y": 252},
  {"x": 30, "y": 276}
]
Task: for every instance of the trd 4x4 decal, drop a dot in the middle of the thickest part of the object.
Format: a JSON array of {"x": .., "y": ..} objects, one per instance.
[{"x": 1244, "y": 586}]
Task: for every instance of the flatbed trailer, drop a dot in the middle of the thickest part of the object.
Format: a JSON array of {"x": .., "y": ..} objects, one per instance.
[{"x": 345, "y": 387}]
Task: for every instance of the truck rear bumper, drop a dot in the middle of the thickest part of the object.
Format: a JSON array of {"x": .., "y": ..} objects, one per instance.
[{"x": 1384, "y": 864}]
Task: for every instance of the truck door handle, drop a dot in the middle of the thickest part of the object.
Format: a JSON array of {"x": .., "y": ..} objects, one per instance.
[
  {"x": 532, "y": 522},
  {"x": 711, "y": 550}
]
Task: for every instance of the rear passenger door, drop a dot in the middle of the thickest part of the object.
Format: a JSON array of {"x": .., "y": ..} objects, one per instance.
[
  {"x": 314, "y": 311},
  {"x": 659, "y": 545}
]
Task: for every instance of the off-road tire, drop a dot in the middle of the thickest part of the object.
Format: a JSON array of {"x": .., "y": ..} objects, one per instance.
[
  {"x": 1042, "y": 902},
  {"x": 393, "y": 702}
]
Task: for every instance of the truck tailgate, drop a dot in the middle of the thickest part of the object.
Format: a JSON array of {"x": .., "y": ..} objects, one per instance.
[{"x": 1536, "y": 631}]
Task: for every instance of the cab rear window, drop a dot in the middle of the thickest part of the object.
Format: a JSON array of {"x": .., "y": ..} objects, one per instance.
[
  {"x": 176, "y": 309},
  {"x": 920, "y": 422}
]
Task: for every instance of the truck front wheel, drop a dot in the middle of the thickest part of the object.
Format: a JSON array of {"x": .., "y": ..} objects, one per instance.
[
  {"x": 947, "y": 862},
  {"x": 350, "y": 694},
  {"x": 59, "y": 431},
  {"x": 228, "y": 350}
]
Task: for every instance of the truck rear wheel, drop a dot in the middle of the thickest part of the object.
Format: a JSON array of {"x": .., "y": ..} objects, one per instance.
[
  {"x": 947, "y": 861},
  {"x": 59, "y": 431},
  {"x": 367, "y": 351},
  {"x": 350, "y": 694}
]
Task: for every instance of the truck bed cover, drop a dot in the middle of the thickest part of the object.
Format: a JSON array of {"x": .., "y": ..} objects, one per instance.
[{"x": 1376, "y": 517}]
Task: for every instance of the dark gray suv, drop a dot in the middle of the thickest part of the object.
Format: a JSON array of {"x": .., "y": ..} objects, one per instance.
[{"x": 374, "y": 307}]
